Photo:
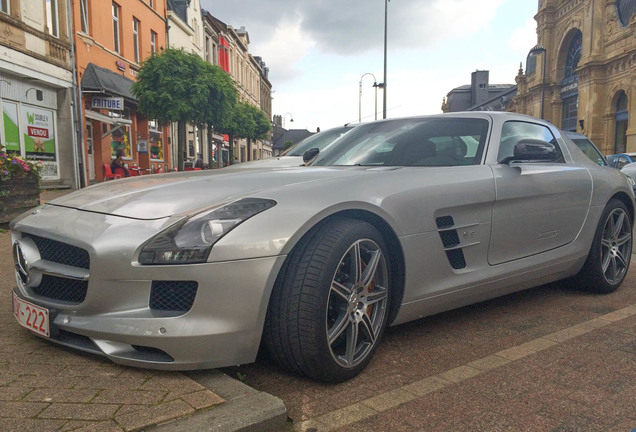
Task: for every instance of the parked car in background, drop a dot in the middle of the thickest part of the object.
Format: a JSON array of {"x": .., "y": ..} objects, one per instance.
[
  {"x": 294, "y": 155},
  {"x": 618, "y": 161},
  {"x": 396, "y": 220}
]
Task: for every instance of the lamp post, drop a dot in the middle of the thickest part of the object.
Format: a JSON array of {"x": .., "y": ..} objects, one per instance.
[
  {"x": 375, "y": 84},
  {"x": 291, "y": 119},
  {"x": 386, "y": 9},
  {"x": 538, "y": 49}
]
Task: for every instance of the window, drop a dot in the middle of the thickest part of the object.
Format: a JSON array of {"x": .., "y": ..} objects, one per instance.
[
  {"x": 120, "y": 138},
  {"x": 84, "y": 16},
  {"x": 514, "y": 131},
  {"x": 156, "y": 140},
  {"x": 51, "y": 17},
  {"x": 4, "y": 6},
  {"x": 151, "y": 3},
  {"x": 116, "y": 46},
  {"x": 136, "y": 39},
  {"x": 153, "y": 42}
]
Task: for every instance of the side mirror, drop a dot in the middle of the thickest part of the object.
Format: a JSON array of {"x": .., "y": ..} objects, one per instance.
[
  {"x": 310, "y": 154},
  {"x": 534, "y": 150}
]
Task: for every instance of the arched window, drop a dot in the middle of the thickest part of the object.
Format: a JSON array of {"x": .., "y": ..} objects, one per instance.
[
  {"x": 569, "y": 84},
  {"x": 620, "y": 137},
  {"x": 625, "y": 9}
]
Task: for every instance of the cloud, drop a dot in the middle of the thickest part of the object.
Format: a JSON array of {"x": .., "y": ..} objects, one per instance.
[
  {"x": 523, "y": 38},
  {"x": 281, "y": 30}
]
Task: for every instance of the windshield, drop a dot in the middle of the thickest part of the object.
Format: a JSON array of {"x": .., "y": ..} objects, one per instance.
[
  {"x": 590, "y": 150},
  {"x": 410, "y": 142},
  {"x": 319, "y": 141}
]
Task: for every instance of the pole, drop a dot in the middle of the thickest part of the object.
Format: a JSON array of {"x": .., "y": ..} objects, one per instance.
[
  {"x": 376, "y": 101},
  {"x": 360, "y": 103},
  {"x": 386, "y": 8},
  {"x": 543, "y": 84}
]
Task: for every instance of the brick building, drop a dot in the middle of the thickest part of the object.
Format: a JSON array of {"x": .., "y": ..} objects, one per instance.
[{"x": 112, "y": 38}]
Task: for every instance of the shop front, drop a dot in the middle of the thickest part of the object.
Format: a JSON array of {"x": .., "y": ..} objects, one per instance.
[{"x": 112, "y": 125}]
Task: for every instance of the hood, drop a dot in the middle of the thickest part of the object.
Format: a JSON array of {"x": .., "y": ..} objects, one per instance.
[
  {"x": 273, "y": 162},
  {"x": 162, "y": 195}
]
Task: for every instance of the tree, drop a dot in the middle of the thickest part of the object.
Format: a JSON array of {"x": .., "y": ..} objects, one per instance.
[
  {"x": 246, "y": 121},
  {"x": 181, "y": 87}
]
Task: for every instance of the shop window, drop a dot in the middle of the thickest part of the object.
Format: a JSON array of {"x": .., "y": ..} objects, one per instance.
[
  {"x": 84, "y": 16},
  {"x": 120, "y": 138},
  {"x": 11, "y": 127},
  {"x": 620, "y": 137},
  {"x": 116, "y": 31},
  {"x": 155, "y": 135},
  {"x": 52, "y": 21}
]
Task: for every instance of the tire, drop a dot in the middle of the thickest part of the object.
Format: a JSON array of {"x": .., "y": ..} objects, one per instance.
[
  {"x": 327, "y": 315},
  {"x": 610, "y": 254}
]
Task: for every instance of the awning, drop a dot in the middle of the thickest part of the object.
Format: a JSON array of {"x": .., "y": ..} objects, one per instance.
[
  {"x": 105, "y": 119},
  {"x": 103, "y": 80}
]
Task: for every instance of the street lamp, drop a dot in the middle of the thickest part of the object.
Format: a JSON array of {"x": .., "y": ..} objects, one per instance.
[
  {"x": 538, "y": 49},
  {"x": 375, "y": 84},
  {"x": 291, "y": 119},
  {"x": 386, "y": 8}
]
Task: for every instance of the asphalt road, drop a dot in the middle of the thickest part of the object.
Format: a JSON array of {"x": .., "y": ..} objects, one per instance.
[{"x": 547, "y": 359}]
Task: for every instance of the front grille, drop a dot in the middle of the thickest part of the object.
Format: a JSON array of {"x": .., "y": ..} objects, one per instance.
[
  {"x": 173, "y": 296},
  {"x": 62, "y": 253},
  {"x": 62, "y": 289}
]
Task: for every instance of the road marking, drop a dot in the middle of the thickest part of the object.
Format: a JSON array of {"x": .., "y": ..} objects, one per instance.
[{"x": 384, "y": 401}]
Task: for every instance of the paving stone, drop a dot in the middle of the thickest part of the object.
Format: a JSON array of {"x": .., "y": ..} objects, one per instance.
[
  {"x": 154, "y": 415},
  {"x": 135, "y": 397},
  {"x": 30, "y": 425},
  {"x": 74, "y": 411},
  {"x": 202, "y": 399},
  {"x": 21, "y": 409},
  {"x": 61, "y": 395}
]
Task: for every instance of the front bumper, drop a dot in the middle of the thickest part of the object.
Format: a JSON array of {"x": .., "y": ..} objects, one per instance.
[{"x": 222, "y": 327}]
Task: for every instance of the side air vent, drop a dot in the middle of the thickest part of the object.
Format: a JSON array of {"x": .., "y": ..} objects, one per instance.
[{"x": 453, "y": 247}]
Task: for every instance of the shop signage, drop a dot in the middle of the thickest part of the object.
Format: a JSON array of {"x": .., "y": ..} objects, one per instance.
[
  {"x": 109, "y": 103},
  {"x": 569, "y": 87},
  {"x": 142, "y": 146},
  {"x": 120, "y": 65}
]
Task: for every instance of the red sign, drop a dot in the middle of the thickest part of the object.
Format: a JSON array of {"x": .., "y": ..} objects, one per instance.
[
  {"x": 120, "y": 65},
  {"x": 38, "y": 132}
]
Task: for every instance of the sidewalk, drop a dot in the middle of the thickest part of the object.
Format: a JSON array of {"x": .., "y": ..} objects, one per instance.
[{"x": 45, "y": 387}]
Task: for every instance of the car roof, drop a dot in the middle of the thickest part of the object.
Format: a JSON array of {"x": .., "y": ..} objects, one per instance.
[{"x": 572, "y": 135}]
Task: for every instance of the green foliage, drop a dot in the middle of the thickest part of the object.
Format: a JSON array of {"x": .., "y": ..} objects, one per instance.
[
  {"x": 288, "y": 144},
  {"x": 246, "y": 121},
  {"x": 178, "y": 86}
]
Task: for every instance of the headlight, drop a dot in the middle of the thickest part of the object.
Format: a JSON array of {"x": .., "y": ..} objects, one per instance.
[{"x": 190, "y": 240}]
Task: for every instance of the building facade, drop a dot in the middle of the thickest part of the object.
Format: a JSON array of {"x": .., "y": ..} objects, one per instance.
[
  {"x": 37, "y": 87},
  {"x": 112, "y": 38},
  {"x": 479, "y": 95},
  {"x": 581, "y": 76}
]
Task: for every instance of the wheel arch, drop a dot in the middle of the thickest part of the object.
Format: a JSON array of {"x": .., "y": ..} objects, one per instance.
[
  {"x": 396, "y": 252},
  {"x": 625, "y": 199}
]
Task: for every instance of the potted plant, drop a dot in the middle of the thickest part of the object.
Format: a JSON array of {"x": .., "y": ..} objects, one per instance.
[{"x": 19, "y": 185}]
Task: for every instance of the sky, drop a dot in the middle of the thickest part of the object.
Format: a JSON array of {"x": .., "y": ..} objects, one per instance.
[{"x": 318, "y": 51}]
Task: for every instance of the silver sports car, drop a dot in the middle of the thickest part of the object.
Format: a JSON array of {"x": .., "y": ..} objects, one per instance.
[{"x": 401, "y": 219}]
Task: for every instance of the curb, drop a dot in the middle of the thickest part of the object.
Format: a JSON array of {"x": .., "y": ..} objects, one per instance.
[{"x": 244, "y": 410}]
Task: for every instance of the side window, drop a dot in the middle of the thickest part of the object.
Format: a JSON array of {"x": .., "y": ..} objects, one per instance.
[{"x": 514, "y": 131}]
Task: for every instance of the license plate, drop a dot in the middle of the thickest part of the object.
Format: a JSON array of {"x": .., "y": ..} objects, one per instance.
[{"x": 30, "y": 316}]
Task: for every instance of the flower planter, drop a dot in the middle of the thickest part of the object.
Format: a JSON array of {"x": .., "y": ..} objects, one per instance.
[{"x": 18, "y": 195}]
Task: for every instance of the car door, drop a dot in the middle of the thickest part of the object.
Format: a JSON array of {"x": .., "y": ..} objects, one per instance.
[{"x": 538, "y": 206}]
